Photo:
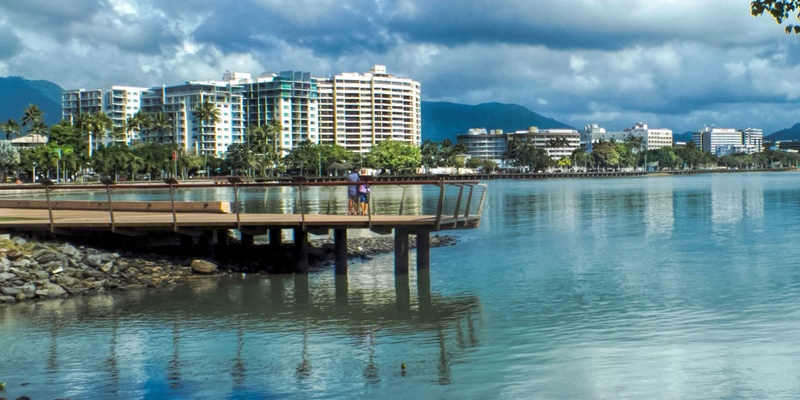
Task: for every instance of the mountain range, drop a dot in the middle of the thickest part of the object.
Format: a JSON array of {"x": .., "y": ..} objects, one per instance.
[{"x": 440, "y": 120}]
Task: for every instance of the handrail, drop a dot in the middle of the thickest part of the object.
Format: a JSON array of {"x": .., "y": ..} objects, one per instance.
[{"x": 394, "y": 201}]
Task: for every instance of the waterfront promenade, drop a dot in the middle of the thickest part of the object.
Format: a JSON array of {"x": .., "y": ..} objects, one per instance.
[{"x": 170, "y": 207}]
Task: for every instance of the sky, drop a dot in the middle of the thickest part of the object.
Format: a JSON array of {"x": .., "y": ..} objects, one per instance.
[{"x": 677, "y": 64}]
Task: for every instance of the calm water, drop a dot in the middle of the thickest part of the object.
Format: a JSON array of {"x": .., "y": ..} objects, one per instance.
[{"x": 660, "y": 287}]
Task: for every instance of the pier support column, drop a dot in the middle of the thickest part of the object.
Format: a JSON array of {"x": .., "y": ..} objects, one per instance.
[
  {"x": 340, "y": 250},
  {"x": 221, "y": 243},
  {"x": 300, "y": 251},
  {"x": 187, "y": 243},
  {"x": 341, "y": 289},
  {"x": 401, "y": 251},
  {"x": 206, "y": 242},
  {"x": 275, "y": 240},
  {"x": 247, "y": 240},
  {"x": 402, "y": 292},
  {"x": 423, "y": 250}
]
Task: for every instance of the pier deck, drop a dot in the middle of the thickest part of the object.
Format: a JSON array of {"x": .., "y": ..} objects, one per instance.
[{"x": 210, "y": 220}]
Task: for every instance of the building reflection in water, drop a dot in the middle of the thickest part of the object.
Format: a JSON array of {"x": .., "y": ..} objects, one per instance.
[{"x": 257, "y": 324}]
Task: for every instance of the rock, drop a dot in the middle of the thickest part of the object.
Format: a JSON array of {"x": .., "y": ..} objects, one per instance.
[
  {"x": 7, "y": 276},
  {"x": 54, "y": 290},
  {"x": 203, "y": 267},
  {"x": 14, "y": 255},
  {"x": 69, "y": 250},
  {"x": 42, "y": 274},
  {"x": 19, "y": 241},
  {"x": 10, "y": 291},
  {"x": 45, "y": 257},
  {"x": 21, "y": 263},
  {"x": 7, "y": 299}
]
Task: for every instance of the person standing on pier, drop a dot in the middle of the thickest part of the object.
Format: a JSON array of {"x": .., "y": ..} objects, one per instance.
[
  {"x": 352, "y": 194},
  {"x": 363, "y": 198}
]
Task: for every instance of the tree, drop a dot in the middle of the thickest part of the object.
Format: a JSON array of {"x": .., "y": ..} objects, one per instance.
[
  {"x": 205, "y": 113},
  {"x": 394, "y": 156},
  {"x": 236, "y": 157},
  {"x": 32, "y": 115},
  {"x": 523, "y": 153},
  {"x": 136, "y": 124},
  {"x": 779, "y": 10},
  {"x": 10, "y": 127},
  {"x": 162, "y": 123},
  {"x": 9, "y": 157}
]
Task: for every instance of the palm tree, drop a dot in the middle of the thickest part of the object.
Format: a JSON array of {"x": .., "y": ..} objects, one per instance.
[
  {"x": 97, "y": 124},
  {"x": 38, "y": 128},
  {"x": 206, "y": 113},
  {"x": 136, "y": 124},
  {"x": 10, "y": 127},
  {"x": 162, "y": 123},
  {"x": 32, "y": 114}
]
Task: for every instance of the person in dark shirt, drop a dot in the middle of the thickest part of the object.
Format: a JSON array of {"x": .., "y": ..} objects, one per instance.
[{"x": 352, "y": 194}]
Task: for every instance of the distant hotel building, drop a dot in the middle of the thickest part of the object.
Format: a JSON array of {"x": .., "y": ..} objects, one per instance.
[
  {"x": 652, "y": 139},
  {"x": 485, "y": 145},
  {"x": 118, "y": 102},
  {"x": 725, "y": 141},
  {"x": 353, "y": 110},
  {"x": 558, "y": 143}
]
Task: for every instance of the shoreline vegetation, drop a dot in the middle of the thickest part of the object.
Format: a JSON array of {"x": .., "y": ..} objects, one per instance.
[{"x": 43, "y": 268}]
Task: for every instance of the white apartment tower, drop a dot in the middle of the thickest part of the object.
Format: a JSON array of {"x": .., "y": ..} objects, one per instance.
[
  {"x": 357, "y": 111},
  {"x": 192, "y": 135},
  {"x": 118, "y": 102}
]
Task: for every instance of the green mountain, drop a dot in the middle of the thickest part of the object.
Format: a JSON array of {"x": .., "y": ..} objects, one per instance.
[
  {"x": 16, "y": 93},
  {"x": 788, "y": 134},
  {"x": 441, "y": 120}
]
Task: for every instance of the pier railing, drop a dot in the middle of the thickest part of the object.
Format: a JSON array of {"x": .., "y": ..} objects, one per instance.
[{"x": 452, "y": 203}]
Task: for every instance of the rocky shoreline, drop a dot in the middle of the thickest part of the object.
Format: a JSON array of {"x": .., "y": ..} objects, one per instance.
[{"x": 44, "y": 269}]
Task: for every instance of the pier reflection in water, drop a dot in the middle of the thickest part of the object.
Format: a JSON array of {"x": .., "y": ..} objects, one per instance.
[{"x": 264, "y": 335}]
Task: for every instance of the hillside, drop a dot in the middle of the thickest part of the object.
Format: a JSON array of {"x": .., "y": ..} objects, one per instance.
[
  {"x": 441, "y": 120},
  {"x": 792, "y": 133},
  {"x": 16, "y": 93}
]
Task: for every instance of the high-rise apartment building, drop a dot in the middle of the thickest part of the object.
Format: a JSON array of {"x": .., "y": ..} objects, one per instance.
[
  {"x": 118, "y": 102},
  {"x": 358, "y": 111},
  {"x": 290, "y": 97},
  {"x": 179, "y": 104},
  {"x": 353, "y": 110}
]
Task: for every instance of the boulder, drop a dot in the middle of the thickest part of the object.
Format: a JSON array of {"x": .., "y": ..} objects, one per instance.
[
  {"x": 7, "y": 299},
  {"x": 14, "y": 255},
  {"x": 203, "y": 267},
  {"x": 54, "y": 290},
  {"x": 10, "y": 291},
  {"x": 69, "y": 250},
  {"x": 7, "y": 276}
]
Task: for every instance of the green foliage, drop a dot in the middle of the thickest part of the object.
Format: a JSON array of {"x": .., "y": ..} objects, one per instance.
[
  {"x": 779, "y": 10},
  {"x": 9, "y": 157},
  {"x": 394, "y": 156},
  {"x": 523, "y": 153},
  {"x": 442, "y": 154}
]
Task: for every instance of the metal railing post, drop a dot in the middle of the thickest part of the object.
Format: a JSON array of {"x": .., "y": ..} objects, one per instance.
[
  {"x": 439, "y": 207},
  {"x": 108, "y": 182},
  {"x": 402, "y": 200},
  {"x": 469, "y": 203},
  {"x": 171, "y": 182},
  {"x": 458, "y": 204}
]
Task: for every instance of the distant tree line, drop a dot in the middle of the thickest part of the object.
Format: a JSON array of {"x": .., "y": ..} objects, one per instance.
[{"x": 76, "y": 147}]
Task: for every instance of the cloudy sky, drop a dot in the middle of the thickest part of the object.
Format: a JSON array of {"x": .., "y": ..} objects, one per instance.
[{"x": 677, "y": 64}]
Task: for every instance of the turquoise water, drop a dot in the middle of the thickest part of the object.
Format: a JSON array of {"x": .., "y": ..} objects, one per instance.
[{"x": 658, "y": 287}]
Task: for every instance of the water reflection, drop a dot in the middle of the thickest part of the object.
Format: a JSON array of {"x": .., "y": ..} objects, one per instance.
[{"x": 252, "y": 325}]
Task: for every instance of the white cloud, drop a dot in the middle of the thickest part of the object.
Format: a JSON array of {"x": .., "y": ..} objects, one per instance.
[{"x": 583, "y": 61}]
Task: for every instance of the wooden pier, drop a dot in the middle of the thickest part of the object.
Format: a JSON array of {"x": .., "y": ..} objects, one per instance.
[{"x": 458, "y": 206}]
